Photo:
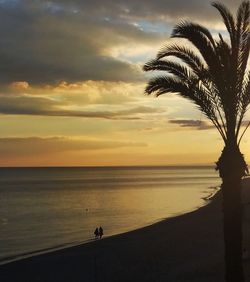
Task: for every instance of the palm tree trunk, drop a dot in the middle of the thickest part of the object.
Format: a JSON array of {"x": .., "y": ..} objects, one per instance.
[
  {"x": 231, "y": 188},
  {"x": 232, "y": 167}
]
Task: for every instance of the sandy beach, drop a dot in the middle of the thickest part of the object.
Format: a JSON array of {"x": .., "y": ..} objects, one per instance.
[{"x": 185, "y": 248}]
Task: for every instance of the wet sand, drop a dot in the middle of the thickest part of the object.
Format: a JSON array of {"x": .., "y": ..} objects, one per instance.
[{"x": 185, "y": 248}]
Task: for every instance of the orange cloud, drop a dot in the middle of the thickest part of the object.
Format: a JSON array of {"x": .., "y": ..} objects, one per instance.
[{"x": 19, "y": 85}]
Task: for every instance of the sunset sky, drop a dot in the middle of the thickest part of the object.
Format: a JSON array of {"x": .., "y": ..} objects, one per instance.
[{"x": 72, "y": 85}]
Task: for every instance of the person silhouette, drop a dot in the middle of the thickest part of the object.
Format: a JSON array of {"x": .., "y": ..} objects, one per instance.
[
  {"x": 96, "y": 233},
  {"x": 100, "y": 232}
]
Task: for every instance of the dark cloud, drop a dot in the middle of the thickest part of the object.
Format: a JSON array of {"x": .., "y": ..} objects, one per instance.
[
  {"x": 31, "y": 146},
  {"x": 198, "y": 124},
  {"x": 245, "y": 122},
  {"x": 41, "y": 46},
  {"x": 147, "y": 9},
  {"x": 31, "y": 105},
  {"x": 49, "y": 41}
]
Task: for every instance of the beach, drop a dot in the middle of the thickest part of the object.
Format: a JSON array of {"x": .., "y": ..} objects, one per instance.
[{"x": 184, "y": 248}]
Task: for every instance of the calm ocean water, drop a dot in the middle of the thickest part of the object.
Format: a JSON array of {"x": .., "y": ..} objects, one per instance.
[{"x": 43, "y": 208}]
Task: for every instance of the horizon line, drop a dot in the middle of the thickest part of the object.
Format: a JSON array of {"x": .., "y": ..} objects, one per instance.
[{"x": 113, "y": 166}]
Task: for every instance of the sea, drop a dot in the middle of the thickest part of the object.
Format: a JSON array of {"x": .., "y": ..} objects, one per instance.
[{"x": 42, "y": 209}]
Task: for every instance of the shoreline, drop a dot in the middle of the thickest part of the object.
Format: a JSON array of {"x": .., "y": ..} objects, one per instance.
[
  {"x": 31, "y": 254},
  {"x": 192, "y": 242}
]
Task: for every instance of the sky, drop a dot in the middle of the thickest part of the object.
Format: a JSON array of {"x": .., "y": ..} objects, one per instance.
[{"x": 72, "y": 85}]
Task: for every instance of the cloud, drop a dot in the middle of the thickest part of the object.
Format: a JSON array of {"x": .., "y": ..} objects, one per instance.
[
  {"x": 41, "y": 46},
  {"x": 199, "y": 124},
  {"x": 19, "y": 85},
  {"x": 32, "y": 146},
  {"x": 245, "y": 122},
  {"x": 79, "y": 93},
  {"x": 95, "y": 92},
  {"x": 189, "y": 123},
  {"x": 50, "y": 41},
  {"x": 147, "y": 9},
  {"x": 43, "y": 106}
]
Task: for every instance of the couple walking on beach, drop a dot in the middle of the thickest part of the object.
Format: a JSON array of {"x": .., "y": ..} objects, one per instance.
[{"x": 98, "y": 232}]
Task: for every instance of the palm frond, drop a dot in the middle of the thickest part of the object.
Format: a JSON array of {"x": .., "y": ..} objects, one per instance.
[
  {"x": 243, "y": 15},
  {"x": 203, "y": 44},
  {"x": 242, "y": 63},
  {"x": 194, "y": 91},
  {"x": 194, "y": 27},
  {"x": 244, "y": 102},
  {"x": 198, "y": 39},
  {"x": 228, "y": 20},
  {"x": 243, "y": 37},
  {"x": 184, "y": 54},
  {"x": 176, "y": 69},
  {"x": 165, "y": 84}
]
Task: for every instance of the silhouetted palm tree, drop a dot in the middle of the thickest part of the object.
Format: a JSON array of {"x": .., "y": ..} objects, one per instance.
[{"x": 215, "y": 77}]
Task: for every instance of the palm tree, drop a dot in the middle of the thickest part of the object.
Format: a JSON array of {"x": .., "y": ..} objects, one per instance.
[{"x": 215, "y": 77}]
